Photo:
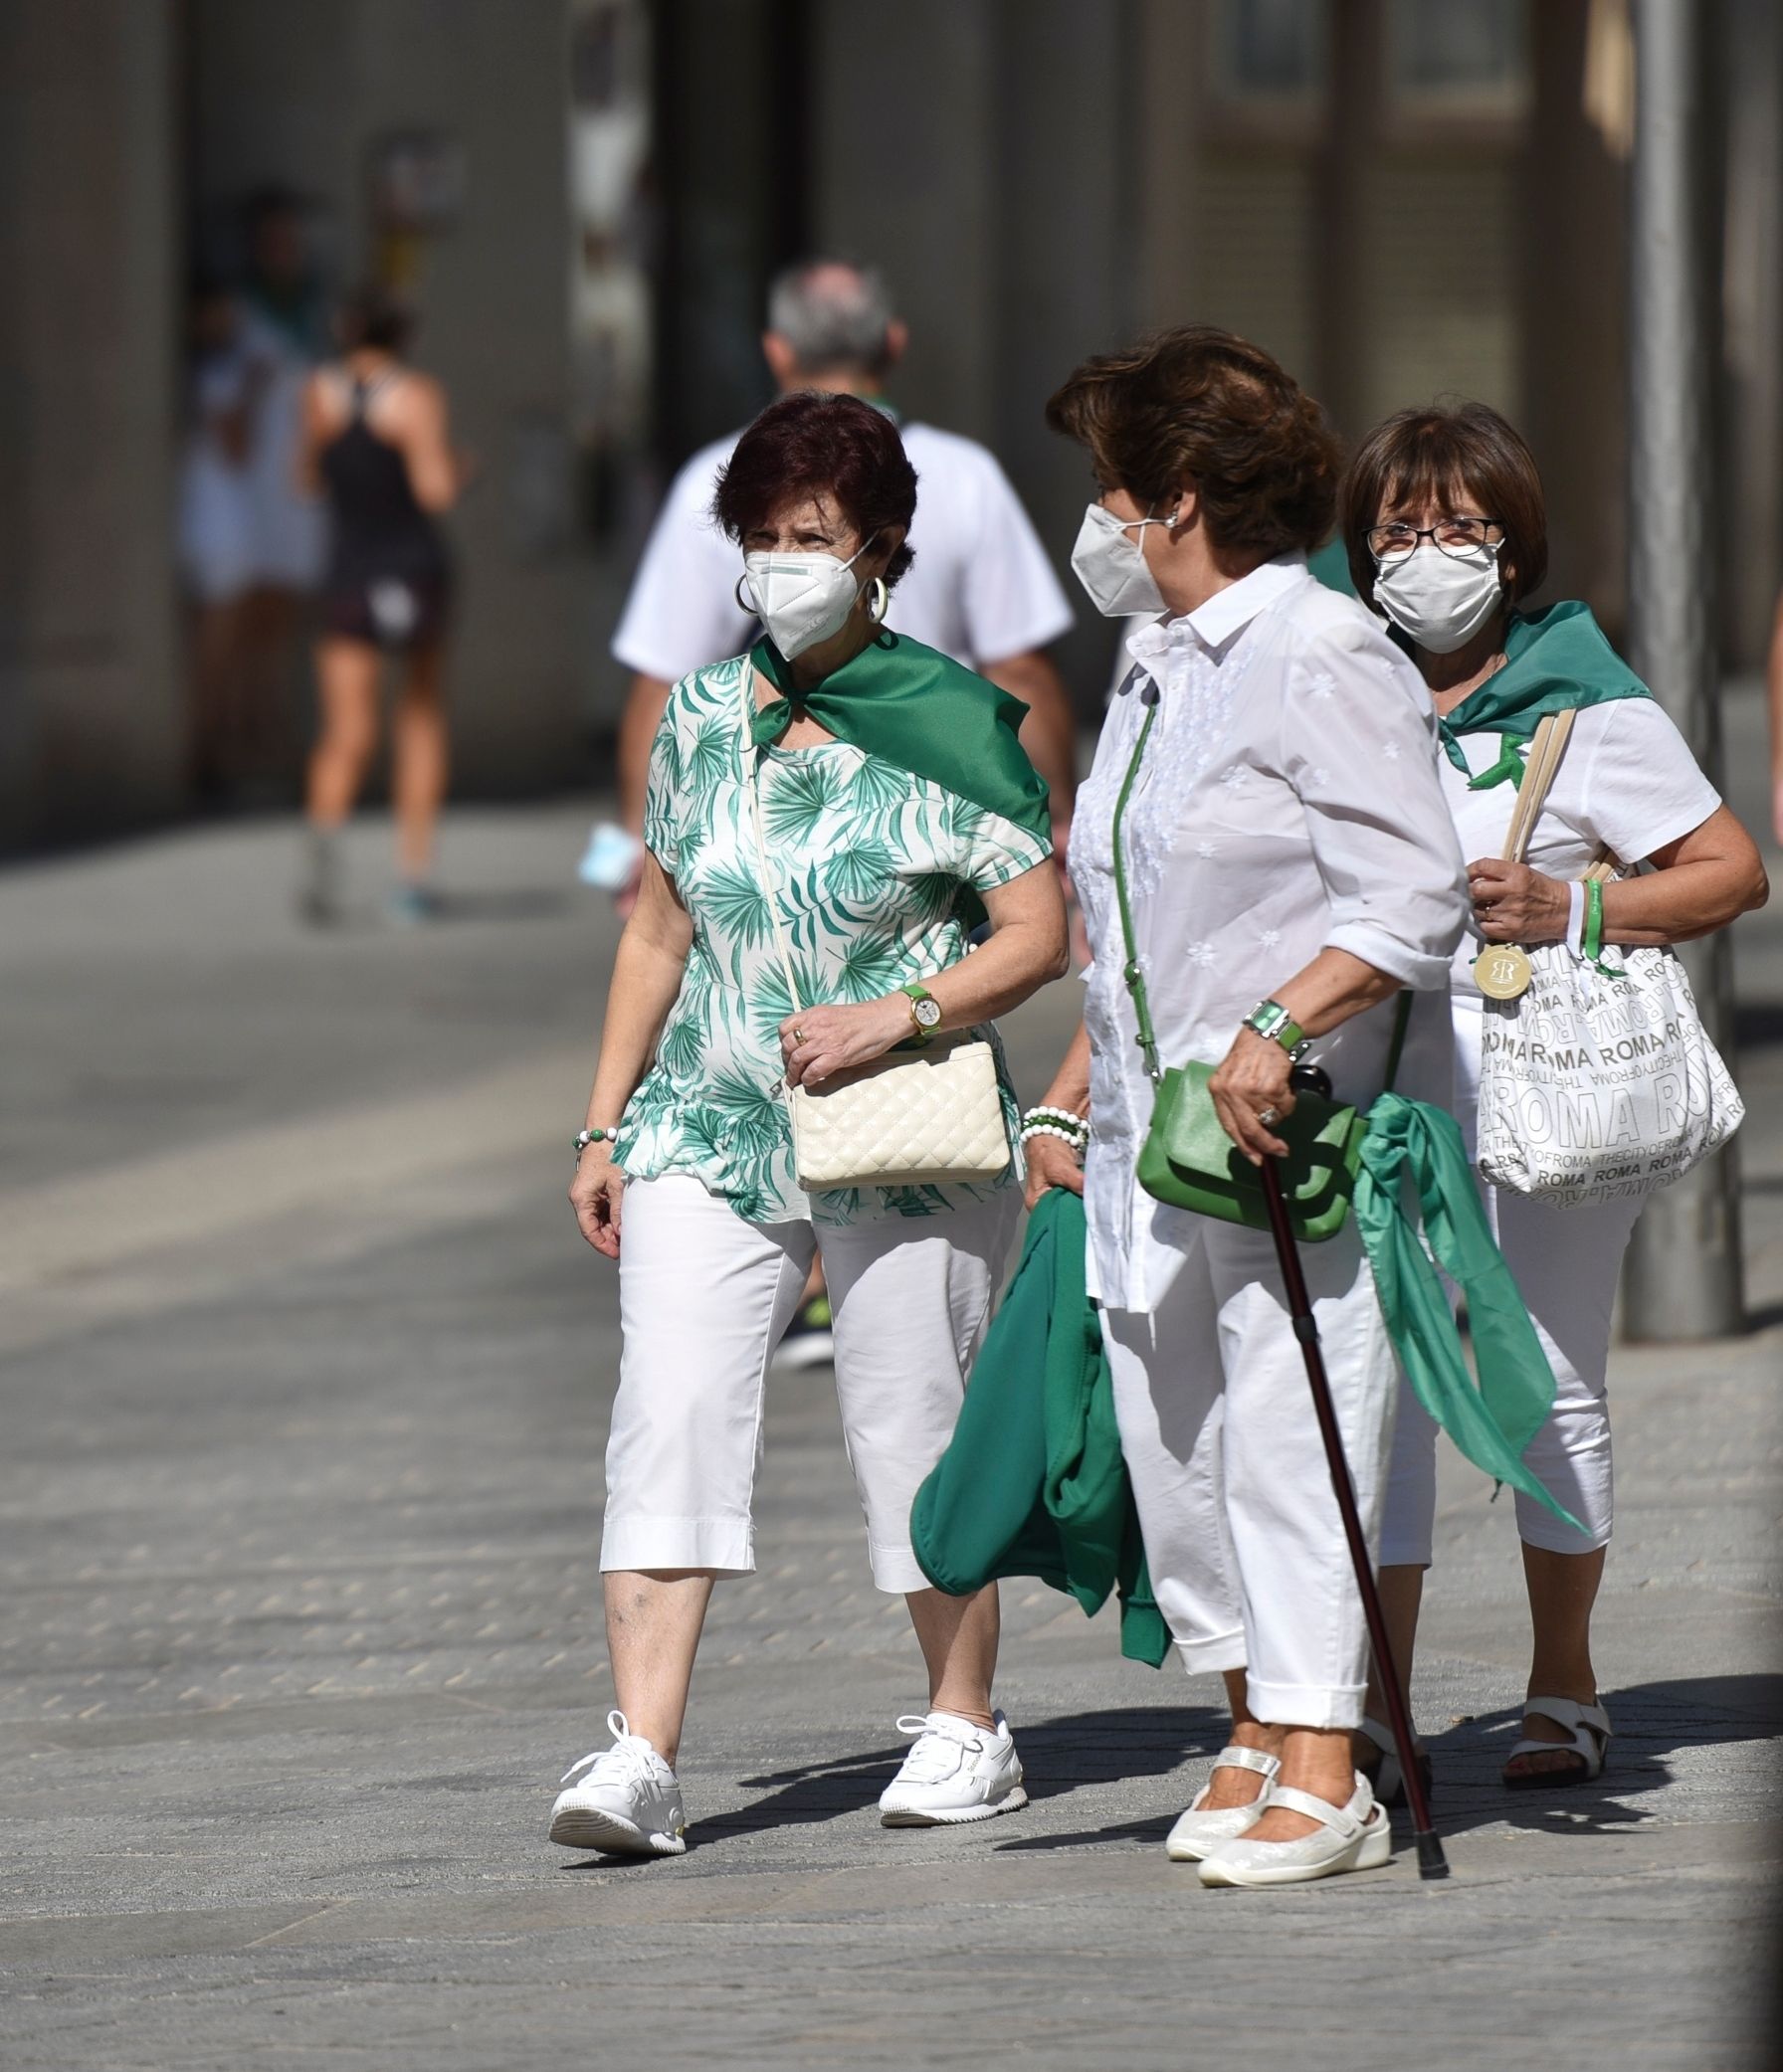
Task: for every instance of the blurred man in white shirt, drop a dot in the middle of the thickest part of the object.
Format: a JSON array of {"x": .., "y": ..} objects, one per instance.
[{"x": 981, "y": 589}]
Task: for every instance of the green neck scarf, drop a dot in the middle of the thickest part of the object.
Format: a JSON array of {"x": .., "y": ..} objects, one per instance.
[
  {"x": 1554, "y": 660},
  {"x": 922, "y": 710}
]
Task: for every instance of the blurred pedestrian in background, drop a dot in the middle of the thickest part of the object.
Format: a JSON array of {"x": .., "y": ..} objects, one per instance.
[
  {"x": 377, "y": 444},
  {"x": 225, "y": 391},
  {"x": 282, "y": 333},
  {"x": 1290, "y": 867},
  {"x": 1446, "y": 526},
  {"x": 909, "y": 806},
  {"x": 981, "y": 589}
]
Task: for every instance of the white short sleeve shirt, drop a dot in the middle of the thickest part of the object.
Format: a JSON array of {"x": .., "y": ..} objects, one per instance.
[
  {"x": 1628, "y": 783},
  {"x": 981, "y": 588}
]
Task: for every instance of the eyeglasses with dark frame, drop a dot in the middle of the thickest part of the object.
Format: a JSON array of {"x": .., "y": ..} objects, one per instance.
[{"x": 1455, "y": 536}]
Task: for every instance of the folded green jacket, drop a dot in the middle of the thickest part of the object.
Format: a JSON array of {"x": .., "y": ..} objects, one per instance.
[{"x": 1032, "y": 1482}]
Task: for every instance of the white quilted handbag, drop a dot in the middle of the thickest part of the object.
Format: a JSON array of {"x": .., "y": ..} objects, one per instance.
[{"x": 919, "y": 1118}]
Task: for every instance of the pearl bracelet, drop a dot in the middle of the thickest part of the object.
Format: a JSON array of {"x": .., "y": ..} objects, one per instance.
[
  {"x": 1058, "y": 1122},
  {"x": 1068, "y": 1138}
]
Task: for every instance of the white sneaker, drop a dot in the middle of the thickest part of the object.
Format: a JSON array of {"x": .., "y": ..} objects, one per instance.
[
  {"x": 1199, "y": 1829},
  {"x": 628, "y": 1804},
  {"x": 1355, "y": 1836},
  {"x": 956, "y": 1771}
]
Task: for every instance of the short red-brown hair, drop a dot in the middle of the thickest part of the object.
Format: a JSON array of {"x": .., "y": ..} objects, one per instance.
[
  {"x": 812, "y": 444},
  {"x": 1200, "y": 406},
  {"x": 1465, "y": 459}
]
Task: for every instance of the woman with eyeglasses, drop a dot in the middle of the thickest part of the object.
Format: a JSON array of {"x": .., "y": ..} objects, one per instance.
[{"x": 1446, "y": 530}]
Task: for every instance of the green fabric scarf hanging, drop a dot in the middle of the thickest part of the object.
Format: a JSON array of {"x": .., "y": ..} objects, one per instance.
[
  {"x": 923, "y": 711},
  {"x": 1410, "y": 1143},
  {"x": 1554, "y": 660}
]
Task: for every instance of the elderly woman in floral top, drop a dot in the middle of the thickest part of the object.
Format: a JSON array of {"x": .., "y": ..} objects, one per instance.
[{"x": 898, "y": 810}]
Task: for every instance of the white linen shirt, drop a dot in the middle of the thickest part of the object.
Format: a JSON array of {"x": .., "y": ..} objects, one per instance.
[
  {"x": 1288, "y": 802},
  {"x": 980, "y": 589}
]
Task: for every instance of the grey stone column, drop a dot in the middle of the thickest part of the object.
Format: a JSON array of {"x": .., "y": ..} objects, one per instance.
[{"x": 1682, "y": 1279}]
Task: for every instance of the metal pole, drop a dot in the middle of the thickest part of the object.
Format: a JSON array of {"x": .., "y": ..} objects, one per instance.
[{"x": 1683, "y": 1280}]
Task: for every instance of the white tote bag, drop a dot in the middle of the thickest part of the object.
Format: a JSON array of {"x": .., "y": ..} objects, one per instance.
[
  {"x": 906, "y": 1119},
  {"x": 1593, "y": 1088}
]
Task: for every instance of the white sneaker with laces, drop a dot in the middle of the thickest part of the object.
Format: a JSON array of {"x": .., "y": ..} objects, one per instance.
[
  {"x": 956, "y": 1771},
  {"x": 628, "y": 1804}
]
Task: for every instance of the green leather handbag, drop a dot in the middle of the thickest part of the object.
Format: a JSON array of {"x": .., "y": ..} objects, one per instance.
[{"x": 1188, "y": 1160}]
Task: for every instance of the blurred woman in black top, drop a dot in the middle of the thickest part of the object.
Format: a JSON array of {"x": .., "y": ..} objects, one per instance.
[{"x": 376, "y": 448}]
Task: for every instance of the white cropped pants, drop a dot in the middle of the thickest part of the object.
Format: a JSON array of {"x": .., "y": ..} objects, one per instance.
[
  {"x": 1566, "y": 1264},
  {"x": 1243, "y": 1536},
  {"x": 704, "y": 1298}
]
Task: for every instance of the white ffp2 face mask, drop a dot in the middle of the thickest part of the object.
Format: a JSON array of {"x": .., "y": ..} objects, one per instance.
[
  {"x": 801, "y": 599},
  {"x": 1440, "y": 601},
  {"x": 1113, "y": 572}
]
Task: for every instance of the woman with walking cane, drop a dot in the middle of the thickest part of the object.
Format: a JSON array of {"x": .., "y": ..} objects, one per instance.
[{"x": 1268, "y": 871}]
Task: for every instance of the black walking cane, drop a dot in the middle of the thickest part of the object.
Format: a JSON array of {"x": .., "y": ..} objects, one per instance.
[{"x": 1431, "y": 1861}]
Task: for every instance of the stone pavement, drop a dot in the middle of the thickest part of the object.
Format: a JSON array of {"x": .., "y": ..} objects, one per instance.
[{"x": 303, "y": 1395}]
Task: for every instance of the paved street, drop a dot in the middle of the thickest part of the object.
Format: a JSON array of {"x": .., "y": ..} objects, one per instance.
[{"x": 304, "y": 1386}]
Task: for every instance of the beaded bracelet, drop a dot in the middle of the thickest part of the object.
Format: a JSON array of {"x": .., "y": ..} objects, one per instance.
[
  {"x": 1055, "y": 1122},
  {"x": 1047, "y": 1129}
]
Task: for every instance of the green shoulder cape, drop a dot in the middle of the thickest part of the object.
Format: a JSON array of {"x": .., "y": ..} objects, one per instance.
[
  {"x": 923, "y": 711},
  {"x": 1554, "y": 660}
]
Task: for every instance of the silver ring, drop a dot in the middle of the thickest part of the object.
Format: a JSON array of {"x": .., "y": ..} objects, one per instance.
[{"x": 1267, "y": 1116}]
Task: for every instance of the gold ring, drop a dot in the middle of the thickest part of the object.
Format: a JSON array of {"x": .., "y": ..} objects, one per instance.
[{"x": 799, "y": 1037}]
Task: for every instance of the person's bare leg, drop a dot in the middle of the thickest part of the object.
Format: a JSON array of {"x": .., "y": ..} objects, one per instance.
[
  {"x": 1562, "y": 1592},
  {"x": 654, "y": 1621},
  {"x": 1315, "y": 1759},
  {"x": 1228, "y": 1788},
  {"x": 347, "y": 686},
  {"x": 958, "y": 1637},
  {"x": 1401, "y": 1586},
  {"x": 418, "y": 783}
]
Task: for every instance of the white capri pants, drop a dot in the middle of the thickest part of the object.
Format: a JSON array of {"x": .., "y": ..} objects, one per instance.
[
  {"x": 1243, "y": 1536},
  {"x": 1566, "y": 1264},
  {"x": 704, "y": 1298}
]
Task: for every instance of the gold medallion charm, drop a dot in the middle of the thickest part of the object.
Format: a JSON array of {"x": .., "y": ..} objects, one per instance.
[{"x": 1502, "y": 972}]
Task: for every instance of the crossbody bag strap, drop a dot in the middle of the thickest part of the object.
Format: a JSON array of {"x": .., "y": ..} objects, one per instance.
[
  {"x": 770, "y": 881},
  {"x": 1135, "y": 980}
]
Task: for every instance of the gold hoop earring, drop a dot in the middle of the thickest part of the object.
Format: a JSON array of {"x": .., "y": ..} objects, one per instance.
[{"x": 879, "y": 600}]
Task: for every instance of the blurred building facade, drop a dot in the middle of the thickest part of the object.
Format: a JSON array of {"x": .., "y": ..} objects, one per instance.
[{"x": 1399, "y": 198}]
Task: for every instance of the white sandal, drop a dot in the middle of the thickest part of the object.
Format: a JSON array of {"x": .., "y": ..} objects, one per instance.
[
  {"x": 1355, "y": 1836},
  {"x": 1389, "y": 1778},
  {"x": 1590, "y": 1730},
  {"x": 1199, "y": 1830}
]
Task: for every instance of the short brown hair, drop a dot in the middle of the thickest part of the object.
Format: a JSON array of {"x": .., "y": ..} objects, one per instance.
[
  {"x": 815, "y": 444},
  {"x": 1448, "y": 454},
  {"x": 1200, "y": 406}
]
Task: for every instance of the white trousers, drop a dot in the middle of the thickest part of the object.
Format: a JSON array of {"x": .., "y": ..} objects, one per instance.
[
  {"x": 1566, "y": 1264},
  {"x": 704, "y": 1298},
  {"x": 1243, "y": 1535}
]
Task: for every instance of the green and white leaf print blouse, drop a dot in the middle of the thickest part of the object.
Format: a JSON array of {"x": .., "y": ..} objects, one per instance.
[{"x": 872, "y": 861}]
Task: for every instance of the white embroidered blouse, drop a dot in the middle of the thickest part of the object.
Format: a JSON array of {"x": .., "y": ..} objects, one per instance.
[{"x": 1288, "y": 802}]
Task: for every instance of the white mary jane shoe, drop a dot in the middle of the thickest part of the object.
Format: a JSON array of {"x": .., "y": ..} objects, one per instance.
[
  {"x": 1355, "y": 1836},
  {"x": 1200, "y": 1830}
]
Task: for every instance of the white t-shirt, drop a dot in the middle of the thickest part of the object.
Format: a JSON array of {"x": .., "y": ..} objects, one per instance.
[
  {"x": 981, "y": 588},
  {"x": 1627, "y": 782}
]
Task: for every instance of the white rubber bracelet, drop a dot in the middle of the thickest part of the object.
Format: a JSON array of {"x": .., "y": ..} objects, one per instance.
[{"x": 1575, "y": 917}]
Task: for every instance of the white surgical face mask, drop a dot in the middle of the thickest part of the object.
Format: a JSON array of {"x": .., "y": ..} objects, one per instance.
[
  {"x": 1111, "y": 568},
  {"x": 801, "y": 599},
  {"x": 1440, "y": 601}
]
